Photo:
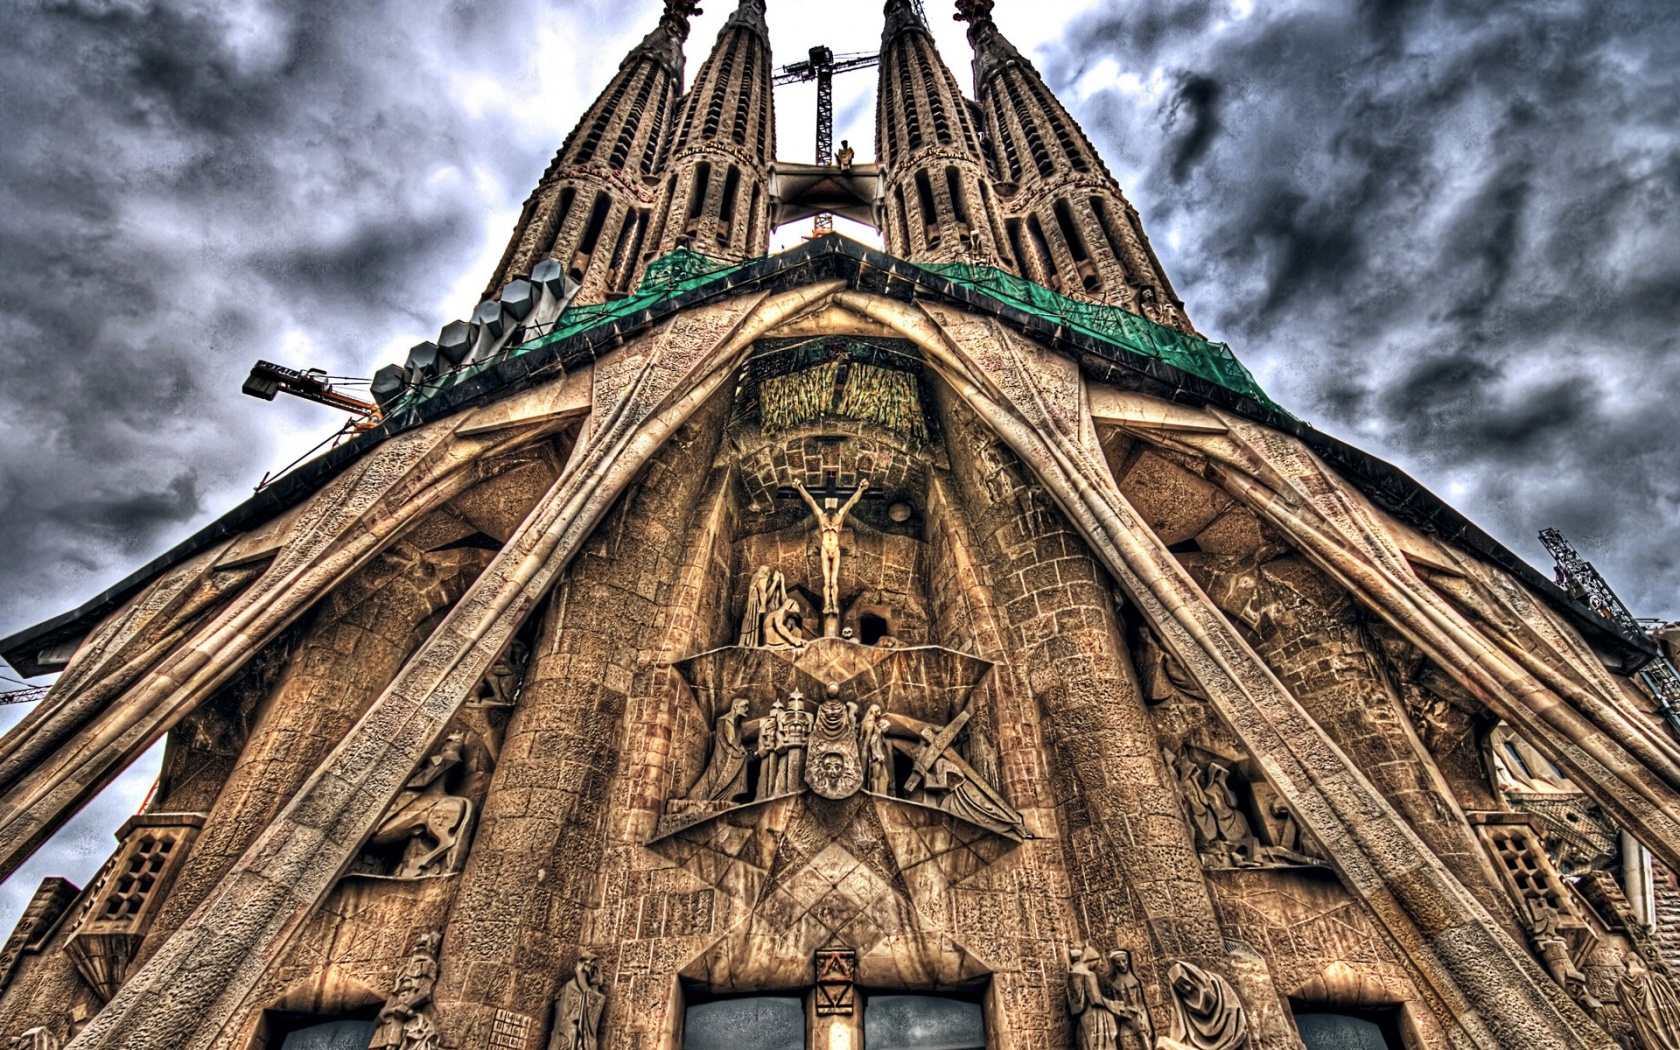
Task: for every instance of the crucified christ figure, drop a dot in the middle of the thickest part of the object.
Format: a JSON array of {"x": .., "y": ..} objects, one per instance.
[{"x": 829, "y": 523}]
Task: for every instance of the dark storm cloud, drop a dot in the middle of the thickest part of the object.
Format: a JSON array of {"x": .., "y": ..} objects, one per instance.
[{"x": 1447, "y": 231}]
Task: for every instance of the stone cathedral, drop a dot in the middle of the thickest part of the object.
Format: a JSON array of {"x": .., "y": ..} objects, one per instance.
[{"x": 934, "y": 648}]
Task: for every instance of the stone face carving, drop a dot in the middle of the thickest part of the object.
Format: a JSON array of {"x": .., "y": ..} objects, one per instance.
[
  {"x": 1651, "y": 1004},
  {"x": 1096, "y": 1015},
  {"x": 829, "y": 522},
  {"x": 405, "y": 1021},
  {"x": 833, "y": 766},
  {"x": 1206, "y": 1012},
  {"x": 432, "y": 824},
  {"x": 577, "y": 1011},
  {"x": 725, "y": 778}
]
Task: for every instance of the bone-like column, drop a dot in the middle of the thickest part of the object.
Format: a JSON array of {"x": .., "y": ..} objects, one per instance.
[
  {"x": 181, "y": 999},
  {"x": 1479, "y": 980},
  {"x": 544, "y": 842},
  {"x": 1341, "y": 532}
]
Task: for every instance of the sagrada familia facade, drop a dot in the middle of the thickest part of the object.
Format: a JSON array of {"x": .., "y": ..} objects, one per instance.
[{"x": 941, "y": 647}]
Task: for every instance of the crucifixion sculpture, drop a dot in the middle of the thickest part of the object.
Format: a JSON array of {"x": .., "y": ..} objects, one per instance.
[{"x": 831, "y": 517}]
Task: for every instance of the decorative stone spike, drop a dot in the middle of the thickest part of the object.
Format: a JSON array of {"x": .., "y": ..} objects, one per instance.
[
  {"x": 388, "y": 384},
  {"x": 489, "y": 317},
  {"x": 423, "y": 362},
  {"x": 519, "y": 297}
]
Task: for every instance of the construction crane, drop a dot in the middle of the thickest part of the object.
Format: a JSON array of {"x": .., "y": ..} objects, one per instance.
[
  {"x": 267, "y": 379},
  {"x": 25, "y": 694},
  {"x": 1584, "y": 584},
  {"x": 821, "y": 66}
]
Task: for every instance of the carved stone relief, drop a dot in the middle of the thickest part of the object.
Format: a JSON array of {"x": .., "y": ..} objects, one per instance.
[
  {"x": 1206, "y": 1012},
  {"x": 405, "y": 1021},
  {"x": 428, "y": 827},
  {"x": 578, "y": 1009},
  {"x": 1651, "y": 1004},
  {"x": 37, "y": 1038}
]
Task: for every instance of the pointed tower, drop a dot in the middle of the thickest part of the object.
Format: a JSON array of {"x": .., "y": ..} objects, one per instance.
[
  {"x": 716, "y": 197},
  {"x": 592, "y": 205},
  {"x": 1068, "y": 222},
  {"x": 938, "y": 203}
]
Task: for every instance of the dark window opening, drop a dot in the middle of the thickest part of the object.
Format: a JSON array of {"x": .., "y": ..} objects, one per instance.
[
  {"x": 903, "y": 221},
  {"x": 922, "y": 1022},
  {"x": 1036, "y": 232},
  {"x": 697, "y": 195},
  {"x": 591, "y": 235},
  {"x": 1185, "y": 547},
  {"x": 953, "y": 183},
  {"x": 726, "y": 208},
  {"x": 562, "y": 213},
  {"x": 930, "y": 210},
  {"x": 1350, "y": 1029},
  {"x": 1013, "y": 228},
  {"x": 872, "y": 628},
  {"x": 1076, "y": 246}
]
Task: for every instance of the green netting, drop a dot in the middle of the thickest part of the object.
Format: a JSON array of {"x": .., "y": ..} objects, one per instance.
[
  {"x": 666, "y": 276},
  {"x": 1211, "y": 361}
]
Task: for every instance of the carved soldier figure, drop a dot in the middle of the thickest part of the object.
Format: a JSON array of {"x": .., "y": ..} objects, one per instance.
[
  {"x": 1127, "y": 992},
  {"x": 877, "y": 755},
  {"x": 793, "y": 732},
  {"x": 769, "y": 756},
  {"x": 1096, "y": 1017},
  {"x": 424, "y": 813},
  {"x": 1207, "y": 1015},
  {"x": 577, "y": 1012},
  {"x": 1651, "y": 1005},
  {"x": 829, "y": 523},
  {"x": 501, "y": 683},
  {"x": 405, "y": 1021},
  {"x": 725, "y": 778}
]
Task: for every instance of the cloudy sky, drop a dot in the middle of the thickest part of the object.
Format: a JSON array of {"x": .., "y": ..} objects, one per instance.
[{"x": 1445, "y": 231}]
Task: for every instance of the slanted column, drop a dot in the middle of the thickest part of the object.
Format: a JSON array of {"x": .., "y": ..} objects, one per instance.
[
  {"x": 535, "y": 871},
  {"x": 1135, "y": 876}
]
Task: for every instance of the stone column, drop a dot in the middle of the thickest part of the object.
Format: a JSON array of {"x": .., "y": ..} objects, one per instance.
[
  {"x": 1136, "y": 878},
  {"x": 536, "y": 864}
]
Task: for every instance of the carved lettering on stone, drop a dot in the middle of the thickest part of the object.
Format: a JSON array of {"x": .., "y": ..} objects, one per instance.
[
  {"x": 510, "y": 1031},
  {"x": 1207, "y": 1015},
  {"x": 577, "y": 1011},
  {"x": 405, "y": 1021}
]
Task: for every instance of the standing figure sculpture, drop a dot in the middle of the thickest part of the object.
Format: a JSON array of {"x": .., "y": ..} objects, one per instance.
[
  {"x": 725, "y": 778},
  {"x": 1126, "y": 991},
  {"x": 1096, "y": 1017},
  {"x": 405, "y": 1022},
  {"x": 577, "y": 1012},
  {"x": 1206, "y": 1012},
  {"x": 877, "y": 755},
  {"x": 829, "y": 523},
  {"x": 793, "y": 732},
  {"x": 1651, "y": 1005},
  {"x": 765, "y": 595},
  {"x": 769, "y": 753}
]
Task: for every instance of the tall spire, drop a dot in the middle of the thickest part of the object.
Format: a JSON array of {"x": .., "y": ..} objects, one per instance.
[
  {"x": 716, "y": 197},
  {"x": 1068, "y": 221},
  {"x": 591, "y": 206},
  {"x": 939, "y": 203}
]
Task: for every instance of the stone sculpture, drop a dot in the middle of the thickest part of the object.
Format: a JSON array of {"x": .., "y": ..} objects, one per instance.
[
  {"x": 769, "y": 755},
  {"x": 784, "y": 627},
  {"x": 877, "y": 754},
  {"x": 431, "y": 821},
  {"x": 829, "y": 523},
  {"x": 577, "y": 1011},
  {"x": 953, "y": 786},
  {"x": 38, "y": 1038},
  {"x": 1224, "y": 836},
  {"x": 1127, "y": 992},
  {"x": 765, "y": 595},
  {"x": 500, "y": 688},
  {"x": 793, "y": 733},
  {"x": 725, "y": 778},
  {"x": 1651, "y": 1004},
  {"x": 1206, "y": 1012},
  {"x": 1097, "y": 1017},
  {"x": 833, "y": 766},
  {"x": 1553, "y": 949},
  {"x": 405, "y": 1021}
]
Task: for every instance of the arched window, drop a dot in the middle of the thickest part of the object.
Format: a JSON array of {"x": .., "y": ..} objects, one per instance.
[
  {"x": 1354, "y": 1030},
  {"x": 314, "y": 1034}
]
